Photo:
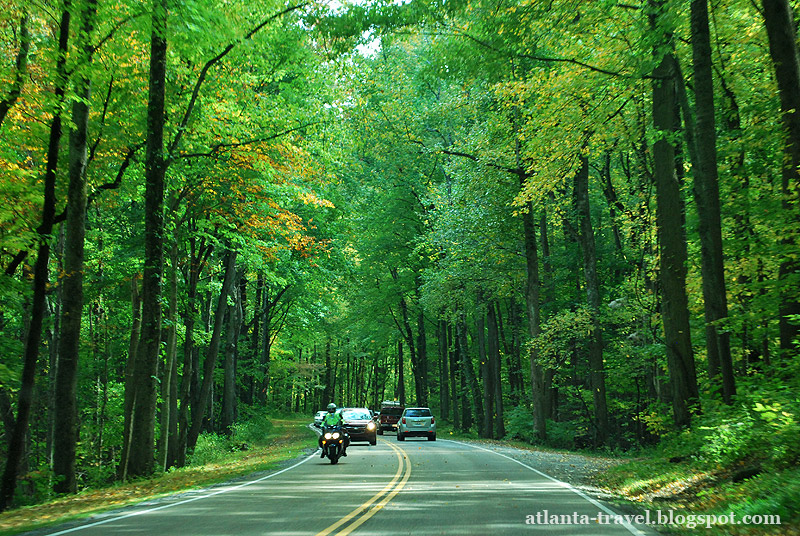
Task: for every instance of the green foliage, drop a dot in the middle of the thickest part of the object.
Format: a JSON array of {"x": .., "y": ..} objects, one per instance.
[
  {"x": 762, "y": 432},
  {"x": 519, "y": 423},
  {"x": 34, "y": 487},
  {"x": 560, "y": 435},
  {"x": 730, "y": 440},
  {"x": 252, "y": 430},
  {"x": 210, "y": 447},
  {"x": 771, "y": 493}
]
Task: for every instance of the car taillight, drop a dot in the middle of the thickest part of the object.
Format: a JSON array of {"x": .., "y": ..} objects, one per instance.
[
  {"x": 432, "y": 421},
  {"x": 404, "y": 420}
]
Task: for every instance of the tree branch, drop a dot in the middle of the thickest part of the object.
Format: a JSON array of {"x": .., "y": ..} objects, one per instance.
[
  {"x": 210, "y": 63},
  {"x": 221, "y": 146}
]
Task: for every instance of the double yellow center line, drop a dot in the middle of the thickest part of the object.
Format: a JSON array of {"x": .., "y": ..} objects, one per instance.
[{"x": 377, "y": 501}]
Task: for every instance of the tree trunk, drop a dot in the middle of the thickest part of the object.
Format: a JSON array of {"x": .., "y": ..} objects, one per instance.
[
  {"x": 204, "y": 398},
  {"x": 142, "y": 446},
  {"x": 782, "y": 35},
  {"x": 66, "y": 402},
  {"x": 672, "y": 239},
  {"x": 229, "y": 386},
  {"x": 706, "y": 193},
  {"x": 444, "y": 373},
  {"x": 401, "y": 380},
  {"x": 422, "y": 360},
  {"x": 40, "y": 277},
  {"x": 189, "y": 388},
  {"x": 455, "y": 400},
  {"x": 586, "y": 239},
  {"x": 538, "y": 393},
  {"x": 20, "y": 67},
  {"x": 169, "y": 404},
  {"x": 472, "y": 403},
  {"x": 487, "y": 427},
  {"x": 495, "y": 370}
]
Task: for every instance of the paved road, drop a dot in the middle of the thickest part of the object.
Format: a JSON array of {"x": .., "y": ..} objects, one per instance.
[{"x": 395, "y": 488}]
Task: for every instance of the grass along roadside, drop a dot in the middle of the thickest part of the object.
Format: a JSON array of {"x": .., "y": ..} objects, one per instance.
[{"x": 287, "y": 439}]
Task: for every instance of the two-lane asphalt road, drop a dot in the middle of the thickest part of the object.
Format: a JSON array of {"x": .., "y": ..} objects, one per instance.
[{"x": 415, "y": 487}]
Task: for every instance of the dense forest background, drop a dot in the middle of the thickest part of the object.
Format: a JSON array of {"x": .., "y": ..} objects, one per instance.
[{"x": 573, "y": 223}]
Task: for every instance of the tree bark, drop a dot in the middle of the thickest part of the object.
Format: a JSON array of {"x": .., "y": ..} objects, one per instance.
[
  {"x": 400, "y": 392},
  {"x": 532, "y": 289},
  {"x": 20, "y": 67},
  {"x": 487, "y": 428},
  {"x": 444, "y": 373},
  {"x": 189, "y": 386},
  {"x": 199, "y": 411},
  {"x": 422, "y": 359},
  {"x": 706, "y": 193},
  {"x": 167, "y": 443},
  {"x": 66, "y": 400},
  {"x": 455, "y": 400},
  {"x": 495, "y": 370},
  {"x": 587, "y": 242},
  {"x": 142, "y": 445},
  {"x": 229, "y": 386},
  {"x": 472, "y": 398},
  {"x": 671, "y": 237}
]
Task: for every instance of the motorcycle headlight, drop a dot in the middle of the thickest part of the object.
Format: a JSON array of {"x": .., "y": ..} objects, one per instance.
[
  {"x": 370, "y": 426},
  {"x": 336, "y": 435},
  {"x": 328, "y": 435}
]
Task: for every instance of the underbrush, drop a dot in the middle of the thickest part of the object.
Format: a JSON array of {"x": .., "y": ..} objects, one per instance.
[
  {"x": 741, "y": 459},
  {"x": 252, "y": 432}
]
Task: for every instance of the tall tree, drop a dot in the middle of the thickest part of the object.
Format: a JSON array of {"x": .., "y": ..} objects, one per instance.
[
  {"x": 40, "y": 274},
  {"x": 779, "y": 21},
  {"x": 142, "y": 433},
  {"x": 588, "y": 248},
  {"x": 670, "y": 227},
  {"x": 65, "y": 437},
  {"x": 706, "y": 190},
  {"x": 210, "y": 363}
]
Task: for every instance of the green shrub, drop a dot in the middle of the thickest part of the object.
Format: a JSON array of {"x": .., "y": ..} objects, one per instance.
[
  {"x": 731, "y": 440},
  {"x": 253, "y": 431},
  {"x": 519, "y": 423},
  {"x": 210, "y": 448}
]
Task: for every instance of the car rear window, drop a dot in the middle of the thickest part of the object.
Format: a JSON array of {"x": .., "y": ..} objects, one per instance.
[
  {"x": 392, "y": 411},
  {"x": 418, "y": 412}
]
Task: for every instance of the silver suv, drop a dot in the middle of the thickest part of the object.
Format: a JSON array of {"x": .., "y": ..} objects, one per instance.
[{"x": 416, "y": 422}]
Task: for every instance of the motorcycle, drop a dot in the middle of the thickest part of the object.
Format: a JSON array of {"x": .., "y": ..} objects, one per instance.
[{"x": 333, "y": 441}]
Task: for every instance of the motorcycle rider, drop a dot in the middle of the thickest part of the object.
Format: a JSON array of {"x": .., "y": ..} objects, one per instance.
[{"x": 333, "y": 418}]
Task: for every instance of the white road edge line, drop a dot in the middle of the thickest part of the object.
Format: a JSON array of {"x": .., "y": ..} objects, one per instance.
[
  {"x": 150, "y": 510},
  {"x": 633, "y": 530}
]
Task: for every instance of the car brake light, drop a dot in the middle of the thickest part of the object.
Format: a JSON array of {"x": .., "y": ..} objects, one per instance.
[
  {"x": 432, "y": 421},
  {"x": 404, "y": 420}
]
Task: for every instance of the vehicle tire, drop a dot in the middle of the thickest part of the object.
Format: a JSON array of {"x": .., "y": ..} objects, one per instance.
[
  {"x": 400, "y": 437},
  {"x": 334, "y": 461},
  {"x": 380, "y": 431},
  {"x": 373, "y": 442},
  {"x": 432, "y": 437}
]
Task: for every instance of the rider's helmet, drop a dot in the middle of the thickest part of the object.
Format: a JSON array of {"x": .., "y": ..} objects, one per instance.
[{"x": 331, "y": 407}]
